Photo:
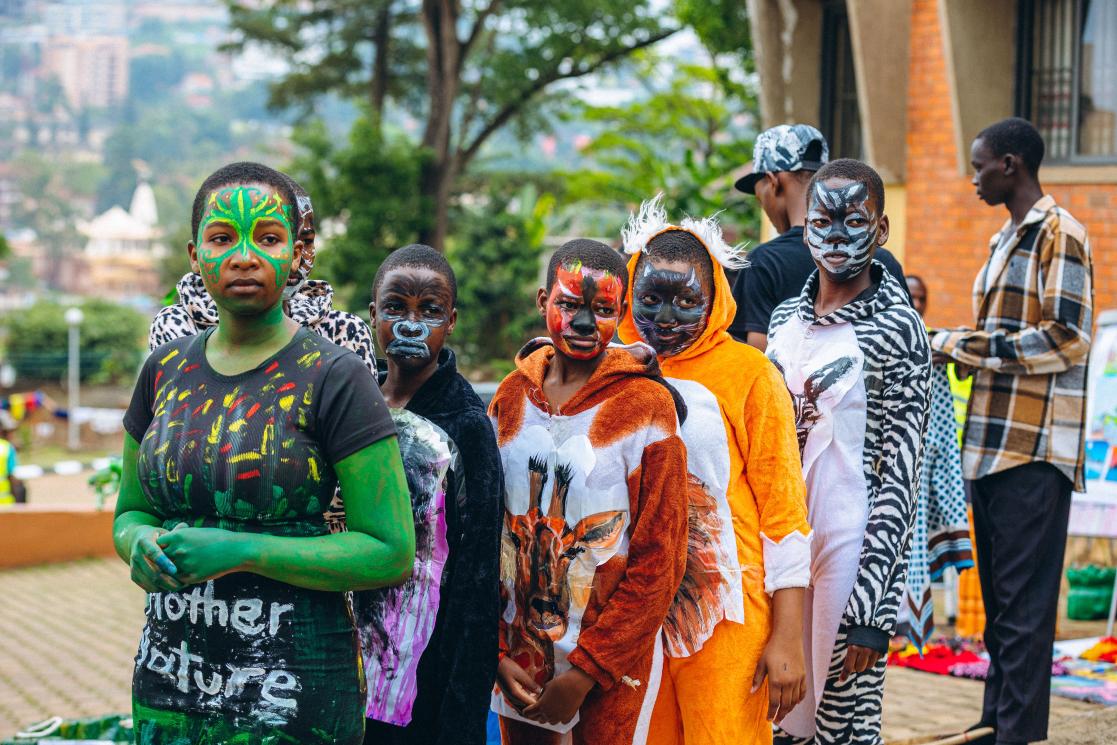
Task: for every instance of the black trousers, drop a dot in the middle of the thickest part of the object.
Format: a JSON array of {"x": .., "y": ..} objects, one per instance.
[{"x": 1020, "y": 524}]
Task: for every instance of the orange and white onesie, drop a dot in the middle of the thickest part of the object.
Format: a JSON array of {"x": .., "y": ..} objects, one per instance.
[
  {"x": 743, "y": 456},
  {"x": 594, "y": 539}
]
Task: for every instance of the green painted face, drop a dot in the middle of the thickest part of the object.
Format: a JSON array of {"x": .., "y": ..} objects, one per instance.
[{"x": 242, "y": 208}]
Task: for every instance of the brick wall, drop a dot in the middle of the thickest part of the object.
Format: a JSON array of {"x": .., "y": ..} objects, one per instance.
[{"x": 948, "y": 228}]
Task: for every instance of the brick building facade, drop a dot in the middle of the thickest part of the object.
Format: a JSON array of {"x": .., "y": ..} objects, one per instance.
[
  {"x": 947, "y": 226},
  {"x": 924, "y": 76}
]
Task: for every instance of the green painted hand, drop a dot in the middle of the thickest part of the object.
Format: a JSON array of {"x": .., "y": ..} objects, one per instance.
[
  {"x": 203, "y": 554},
  {"x": 151, "y": 569}
]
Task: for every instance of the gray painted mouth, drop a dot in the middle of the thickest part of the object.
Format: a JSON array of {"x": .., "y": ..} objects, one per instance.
[{"x": 408, "y": 348}]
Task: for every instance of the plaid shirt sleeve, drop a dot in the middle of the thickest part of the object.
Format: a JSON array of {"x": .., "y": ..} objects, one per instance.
[{"x": 1060, "y": 339}]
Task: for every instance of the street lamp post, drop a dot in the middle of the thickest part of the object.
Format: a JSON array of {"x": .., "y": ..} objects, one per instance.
[{"x": 74, "y": 317}]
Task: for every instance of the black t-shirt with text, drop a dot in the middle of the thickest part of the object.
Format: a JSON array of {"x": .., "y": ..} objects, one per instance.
[
  {"x": 244, "y": 657},
  {"x": 777, "y": 271}
]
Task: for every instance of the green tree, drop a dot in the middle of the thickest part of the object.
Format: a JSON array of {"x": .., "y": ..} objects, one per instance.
[
  {"x": 55, "y": 196},
  {"x": 112, "y": 341},
  {"x": 366, "y": 199},
  {"x": 370, "y": 50},
  {"x": 683, "y": 139},
  {"x": 5, "y": 247},
  {"x": 496, "y": 249},
  {"x": 486, "y": 64},
  {"x": 724, "y": 28},
  {"x": 170, "y": 139}
]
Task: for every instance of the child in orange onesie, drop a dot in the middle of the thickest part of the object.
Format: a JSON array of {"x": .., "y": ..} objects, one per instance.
[
  {"x": 734, "y": 635},
  {"x": 595, "y": 516}
]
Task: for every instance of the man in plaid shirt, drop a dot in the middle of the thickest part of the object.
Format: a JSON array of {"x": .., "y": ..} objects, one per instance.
[{"x": 1023, "y": 446}]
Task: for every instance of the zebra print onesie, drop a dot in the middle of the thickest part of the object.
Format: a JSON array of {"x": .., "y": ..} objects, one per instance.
[{"x": 860, "y": 380}]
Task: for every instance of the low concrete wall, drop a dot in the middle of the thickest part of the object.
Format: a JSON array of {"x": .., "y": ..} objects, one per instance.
[{"x": 43, "y": 535}]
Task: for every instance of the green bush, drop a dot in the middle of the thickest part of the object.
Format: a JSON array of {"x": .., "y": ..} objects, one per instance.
[
  {"x": 112, "y": 341},
  {"x": 496, "y": 251}
]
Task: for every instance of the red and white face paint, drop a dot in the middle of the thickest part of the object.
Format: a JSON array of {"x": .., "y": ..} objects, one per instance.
[{"x": 583, "y": 310}]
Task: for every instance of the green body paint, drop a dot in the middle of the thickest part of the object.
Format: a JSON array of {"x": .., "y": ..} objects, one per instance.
[{"x": 242, "y": 208}]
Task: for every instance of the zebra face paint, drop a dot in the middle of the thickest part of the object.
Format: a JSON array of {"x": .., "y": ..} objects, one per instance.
[
  {"x": 669, "y": 305},
  {"x": 842, "y": 227},
  {"x": 583, "y": 309},
  {"x": 412, "y": 315}
]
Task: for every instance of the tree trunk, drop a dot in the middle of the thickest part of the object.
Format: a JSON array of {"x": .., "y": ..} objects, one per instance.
[
  {"x": 437, "y": 188},
  {"x": 443, "y": 70},
  {"x": 382, "y": 37}
]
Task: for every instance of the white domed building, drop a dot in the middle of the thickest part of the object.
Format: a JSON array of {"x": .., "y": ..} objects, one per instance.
[{"x": 124, "y": 249}]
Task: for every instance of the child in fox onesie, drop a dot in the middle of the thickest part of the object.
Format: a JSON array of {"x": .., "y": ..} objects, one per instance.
[
  {"x": 595, "y": 517},
  {"x": 733, "y": 637}
]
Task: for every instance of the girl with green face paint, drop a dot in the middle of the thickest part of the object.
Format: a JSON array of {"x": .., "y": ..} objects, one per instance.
[
  {"x": 307, "y": 301},
  {"x": 236, "y": 439},
  {"x": 244, "y": 220}
]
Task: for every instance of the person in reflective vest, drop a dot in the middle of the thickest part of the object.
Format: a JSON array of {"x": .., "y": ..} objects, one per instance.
[{"x": 10, "y": 486}]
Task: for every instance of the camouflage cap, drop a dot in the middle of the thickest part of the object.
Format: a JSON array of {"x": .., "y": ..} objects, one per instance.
[{"x": 786, "y": 147}]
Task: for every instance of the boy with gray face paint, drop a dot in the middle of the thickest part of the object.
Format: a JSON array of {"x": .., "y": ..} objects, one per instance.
[
  {"x": 855, "y": 357},
  {"x": 413, "y": 314},
  {"x": 785, "y": 158}
]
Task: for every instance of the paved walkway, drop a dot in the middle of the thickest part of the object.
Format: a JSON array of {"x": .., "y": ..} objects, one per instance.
[{"x": 68, "y": 633}]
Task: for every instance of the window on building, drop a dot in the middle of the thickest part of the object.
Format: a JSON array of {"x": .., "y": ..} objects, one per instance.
[
  {"x": 841, "y": 114},
  {"x": 1067, "y": 77}
]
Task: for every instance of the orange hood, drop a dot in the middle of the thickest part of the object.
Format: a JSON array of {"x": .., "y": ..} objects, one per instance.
[
  {"x": 620, "y": 363},
  {"x": 715, "y": 334}
]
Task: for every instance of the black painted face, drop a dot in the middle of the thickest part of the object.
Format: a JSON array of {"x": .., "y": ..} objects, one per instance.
[
  {"x": 842, "y": 227},
  {"x": 670, "y": 305},
  {"x": 412, "y": 315}
]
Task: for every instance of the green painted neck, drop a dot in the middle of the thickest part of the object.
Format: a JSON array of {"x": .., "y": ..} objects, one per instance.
[{"x": 252, "y": 332}]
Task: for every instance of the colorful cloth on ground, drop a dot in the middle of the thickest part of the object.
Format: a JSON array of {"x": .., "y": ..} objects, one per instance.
[
  {"x": 748, "y": 520},
  {"x": 311, "y": 306},
  {"x": 941, "y": 537},
  {"x": 1084, "y": 680},
  {"x": 957, "y": 657},
  {"x": 595, "y": 534},
  {"x": 457, "y": 670},
  {"x": 395, "y": 624},
  {"x": 1030, "y": 348},
  {"x": 1104, "y": 651},
  {"x": 859, "y": 378},
  {"x": 939, "y": 659},
  {"x": 243, "y": 657}
]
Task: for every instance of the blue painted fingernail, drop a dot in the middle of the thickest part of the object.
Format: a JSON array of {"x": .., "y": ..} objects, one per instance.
[{"x": 166, "y": 564}]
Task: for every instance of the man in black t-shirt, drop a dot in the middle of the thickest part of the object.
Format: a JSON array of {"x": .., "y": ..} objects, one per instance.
[{"x": 784, "y": 159}]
